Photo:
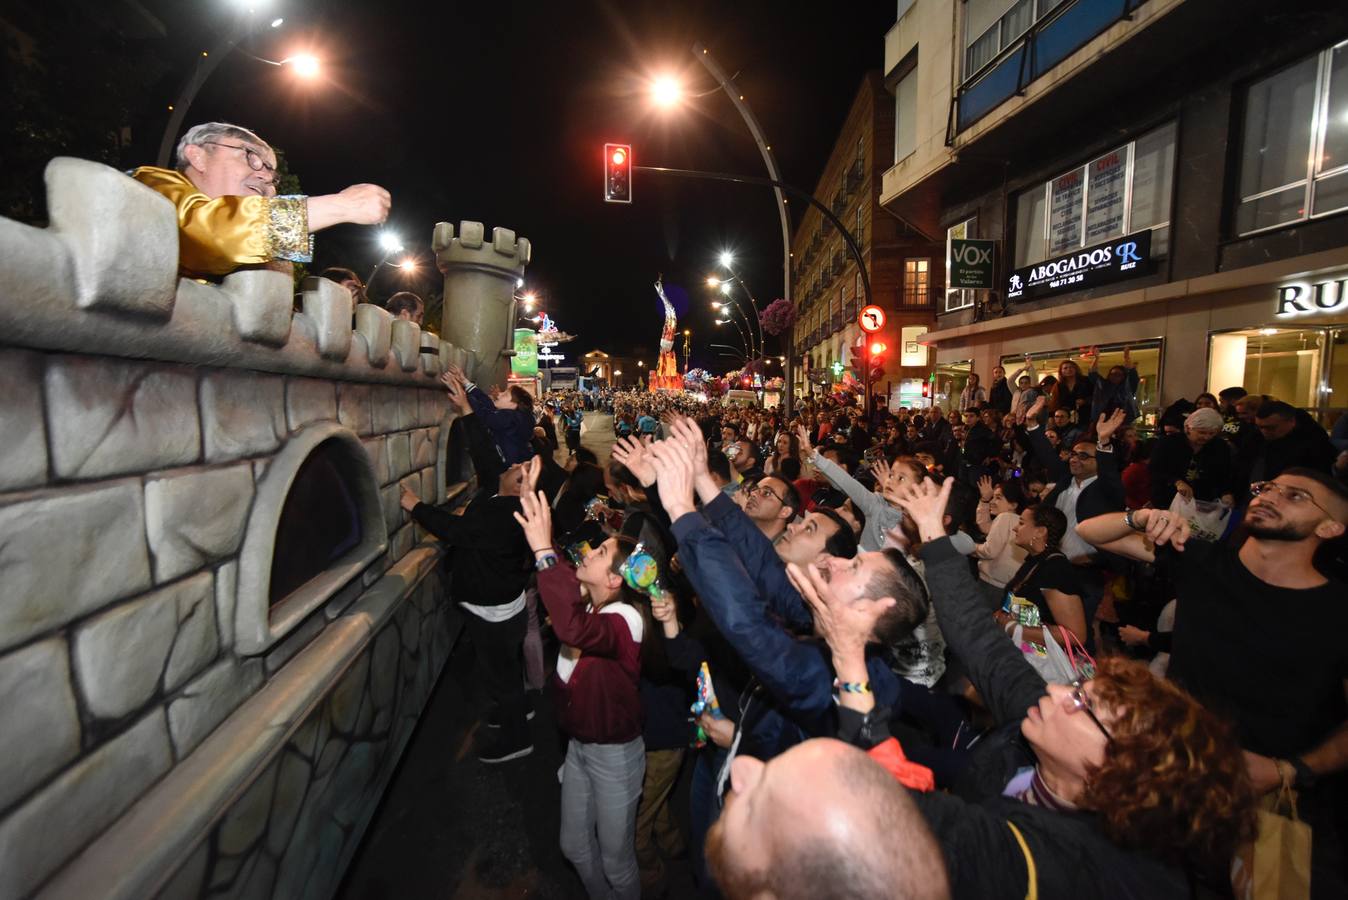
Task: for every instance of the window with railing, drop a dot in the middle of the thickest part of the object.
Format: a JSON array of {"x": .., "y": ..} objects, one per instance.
[
  {"x": 1120, "y": 192},
  {"x": 959, "y": 298},
  {"x": 916, "y": 281},
  {"x": 1294, "y": 144},
  {"x": 859, "y": 229},
  {"x": 992, "y": 26}
]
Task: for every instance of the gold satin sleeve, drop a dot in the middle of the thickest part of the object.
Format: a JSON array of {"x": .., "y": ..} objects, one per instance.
[{"x": 217, "y": 236}]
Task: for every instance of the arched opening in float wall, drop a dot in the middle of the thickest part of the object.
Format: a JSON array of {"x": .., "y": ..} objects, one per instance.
[{"x": 315, "y": 525}]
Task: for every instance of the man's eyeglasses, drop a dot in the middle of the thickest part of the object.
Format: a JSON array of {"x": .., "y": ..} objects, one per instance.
[
  {"x": 1084, "y": 457},
  {"x": 255, "y": 160},
  {"x": 1293, "y": 495},
  {"x": 1082, "y": 701},
  {"x": 765, "y": 491}
]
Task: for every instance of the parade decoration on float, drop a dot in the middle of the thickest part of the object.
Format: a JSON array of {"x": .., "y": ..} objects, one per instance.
[{"x": 666, "y": 376}]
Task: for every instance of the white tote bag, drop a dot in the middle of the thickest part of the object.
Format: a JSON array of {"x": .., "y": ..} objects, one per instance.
[
  {"x": 1207, "y": 518},
  {"x": 1055, "y": 664}
]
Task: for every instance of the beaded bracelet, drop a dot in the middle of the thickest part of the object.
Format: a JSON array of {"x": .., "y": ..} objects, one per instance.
[{"x": 852, "y": 687}]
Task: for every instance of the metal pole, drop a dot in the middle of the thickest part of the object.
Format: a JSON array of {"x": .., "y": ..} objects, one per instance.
[
  {"x": 206, "y": 64},
  {"x": 794, "y": 191},
  {"x": 702, "y": 55}
]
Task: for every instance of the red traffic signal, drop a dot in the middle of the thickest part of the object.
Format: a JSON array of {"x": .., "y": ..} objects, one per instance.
[
  {"x": 926, "y": 389},
  {"x": 617, "y": 173},
  {"x": 877, "y": 348}
]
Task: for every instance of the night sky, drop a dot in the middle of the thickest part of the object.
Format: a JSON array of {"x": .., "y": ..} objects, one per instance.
[{"x": 497, "y": 112}]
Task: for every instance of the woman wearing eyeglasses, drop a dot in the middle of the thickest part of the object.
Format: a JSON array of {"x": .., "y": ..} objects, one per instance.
[{"x": 1120, "y": 787}]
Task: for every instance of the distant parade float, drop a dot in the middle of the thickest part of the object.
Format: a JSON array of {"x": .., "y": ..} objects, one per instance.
[{"x": 666, "y": 376}]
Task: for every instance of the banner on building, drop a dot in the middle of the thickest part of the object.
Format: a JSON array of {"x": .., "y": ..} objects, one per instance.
[
  {"x": 1089, "y": 267},
  {"x": 971, "y": 263},
  {"x": 524, "y": 364}
]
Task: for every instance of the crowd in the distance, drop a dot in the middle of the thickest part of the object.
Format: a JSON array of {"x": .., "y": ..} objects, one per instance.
[{"x": 1026, "y": 652}]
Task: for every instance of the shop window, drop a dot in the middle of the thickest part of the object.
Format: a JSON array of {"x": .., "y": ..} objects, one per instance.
[
  {"x": 1120, "y": 192},
  {"x": 1294, "y": 144},
  {"x": 1146, "y": 355},
  {"x": 951, "y": 377},
  {"x": 916, "y": 282},
  {"x": 1285, "y": 363},
  {"x": 959, "y": 298}
]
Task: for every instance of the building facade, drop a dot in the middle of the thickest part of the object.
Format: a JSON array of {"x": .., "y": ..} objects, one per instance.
[
  {"x": 1164, "y": 176},
  {"x": 902, "y": 265}
]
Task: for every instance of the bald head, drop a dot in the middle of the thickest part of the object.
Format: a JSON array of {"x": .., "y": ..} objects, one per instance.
[{"x": 822, "y": 821}]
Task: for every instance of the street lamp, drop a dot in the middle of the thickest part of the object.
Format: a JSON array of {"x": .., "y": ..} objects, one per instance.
[
  {"x": 391, "y": 244},
  {"x": 248, "y": 22}
]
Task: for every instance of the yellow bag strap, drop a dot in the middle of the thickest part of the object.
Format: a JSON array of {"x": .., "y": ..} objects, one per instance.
[{"x": 1032, "y": 891}]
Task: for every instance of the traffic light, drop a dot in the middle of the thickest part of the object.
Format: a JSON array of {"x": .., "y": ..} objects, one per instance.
[
  {"x": 617, "y": 173},
  {"x": 926, "y": 389},
  {"x": 877, "y": 361}
]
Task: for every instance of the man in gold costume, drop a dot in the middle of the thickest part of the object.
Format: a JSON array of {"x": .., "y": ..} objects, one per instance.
[{"x": 224, "y": 190}]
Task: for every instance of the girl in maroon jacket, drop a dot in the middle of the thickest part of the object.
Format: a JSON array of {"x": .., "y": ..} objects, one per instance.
[{"x": 600, "y": 621}]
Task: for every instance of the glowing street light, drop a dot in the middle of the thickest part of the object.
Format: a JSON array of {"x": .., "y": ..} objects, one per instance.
[
  {"x": 390, "y": 241},
  {"x": 725, "y": 288},
  {"x": 304, "y": 65},
  {"x": 408, "y": 265},
  {"x": 529, "y": 299},
  {"x": 666, "y": 92},
  {"x": 727, "y": 259},
  {"x": 713, "y": 281},
  {"x": 717, "y": 304}
]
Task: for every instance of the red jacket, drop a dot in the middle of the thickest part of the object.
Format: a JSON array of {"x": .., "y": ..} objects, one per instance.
[{"x": 599, "y": 703}]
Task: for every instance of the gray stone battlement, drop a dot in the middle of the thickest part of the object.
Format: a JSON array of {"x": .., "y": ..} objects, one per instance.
[{"x": 102, "y": 279}]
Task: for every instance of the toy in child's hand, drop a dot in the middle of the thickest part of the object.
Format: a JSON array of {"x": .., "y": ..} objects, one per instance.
[
  {"x": 641, "y": 572},
  {"x": 595, "y": 509},
  {"x": 706, "y": 702}
]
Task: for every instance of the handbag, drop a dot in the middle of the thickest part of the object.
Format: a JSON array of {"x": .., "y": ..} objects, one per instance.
[
  {"x": 1277, "y": 864},
  {"x": 1056, "y": 665}
]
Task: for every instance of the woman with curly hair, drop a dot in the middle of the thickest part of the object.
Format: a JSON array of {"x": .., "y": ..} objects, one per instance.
[{"x": 1123, "y": 786}]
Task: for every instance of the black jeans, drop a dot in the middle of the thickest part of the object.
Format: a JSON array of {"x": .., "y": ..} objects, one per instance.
[{"x": 500, "y": 663}]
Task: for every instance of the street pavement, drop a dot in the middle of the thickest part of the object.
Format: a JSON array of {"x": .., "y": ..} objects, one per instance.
[{"x": 449, "y": 826}]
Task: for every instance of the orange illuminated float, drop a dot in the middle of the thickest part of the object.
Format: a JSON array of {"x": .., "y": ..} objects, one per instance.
[{"x": 666, "y": 376}]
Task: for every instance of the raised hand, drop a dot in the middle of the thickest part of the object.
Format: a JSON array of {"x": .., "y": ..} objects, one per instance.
[
  {"x": 1105, "y": 427},
  {"x": 803, "y": 434},
  {"x": 845, "y": 625},
  {"x": 536, "y": 521},
  {"x": 635, "y": 455},
  {"x": 985, "y": 488},
  {"x": 881, "y": 470},
  {"x": 674, "y": 477},
  {"x": 1036, "y": 408},
  {"x": 1128, "y": 358},
  {"x": 407, "y": 498},
  {"x": 532, "y": 468},
  {"x": 1164, "y": 527},
  {"x": 925, "y": 503}
]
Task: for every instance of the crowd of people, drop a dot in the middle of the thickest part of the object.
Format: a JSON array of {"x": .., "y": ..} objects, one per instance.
[
  {"x": 1026, "y": 647},
  {"x": 907, "y": 653}
]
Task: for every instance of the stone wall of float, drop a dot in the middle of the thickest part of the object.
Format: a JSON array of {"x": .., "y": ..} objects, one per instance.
[{"x": 166, "y": 729}]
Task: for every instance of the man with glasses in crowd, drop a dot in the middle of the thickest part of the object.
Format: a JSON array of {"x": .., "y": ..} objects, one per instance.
[
  {"x": 772, "y": 503},
  {"x": 1259, "y": 638},
  {"x": 224, "y": 192}
]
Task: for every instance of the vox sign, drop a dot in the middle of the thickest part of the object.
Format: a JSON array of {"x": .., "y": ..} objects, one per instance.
[{"x": 971, "y": 263}]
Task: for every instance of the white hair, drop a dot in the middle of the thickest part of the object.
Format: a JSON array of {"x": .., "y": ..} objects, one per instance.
[{"x": 206, "y": 132}]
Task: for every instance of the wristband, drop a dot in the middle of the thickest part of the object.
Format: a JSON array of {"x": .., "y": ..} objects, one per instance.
[
  {"x": 546, "y": 562},
  {"x": 852, "y": 687},
  {"x": 1305, "y": 777},
  {"x": 1128, "y": 520}
]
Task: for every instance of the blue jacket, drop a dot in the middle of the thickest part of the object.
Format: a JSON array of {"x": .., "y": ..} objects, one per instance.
[
  {"x": 743, "y": 587},
  {"x": 513, "y": 429}
]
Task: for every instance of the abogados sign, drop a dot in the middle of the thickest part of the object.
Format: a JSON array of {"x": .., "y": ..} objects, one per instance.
[{"x": 1087, "y": 268}]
